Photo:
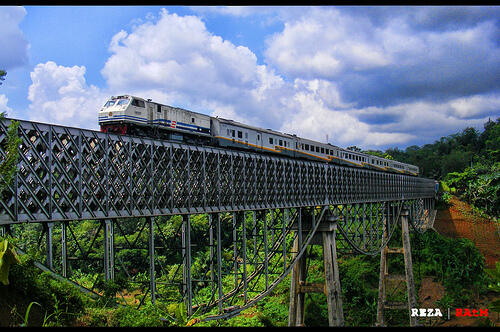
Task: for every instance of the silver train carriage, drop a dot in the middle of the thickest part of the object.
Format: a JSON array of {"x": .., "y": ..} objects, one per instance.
[{"x": 136, "y": 116}]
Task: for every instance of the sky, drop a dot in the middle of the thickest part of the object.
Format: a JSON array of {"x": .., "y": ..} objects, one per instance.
[{"x": 375, "y": 77}]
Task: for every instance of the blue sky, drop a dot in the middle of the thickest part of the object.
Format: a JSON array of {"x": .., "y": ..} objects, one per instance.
[{"x": 375, "y": 77}]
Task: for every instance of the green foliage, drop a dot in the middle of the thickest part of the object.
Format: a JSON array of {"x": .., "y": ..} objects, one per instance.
[
  {"x": 495, "y": 276},
  {"x": 62, "y": 301},
  {"x": 457, "y": 263},
  {"x": 26, "y": 315},
  {"x": 7, "y": 258},
  {"x": 127, "y": 316},
  {"x": 8, "y": 166},
  {"x": 479, "y": 185},
  {"x": 494, "y": 285},
  {"x": 453, "y": 153},
  {"x": 359, "y": 280},
  {"x": 3, "y": 73},
  {"x": 110, "y": 289}
]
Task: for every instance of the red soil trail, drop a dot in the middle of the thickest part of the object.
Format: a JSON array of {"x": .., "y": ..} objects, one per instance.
[{"x": 459, "y": 221}]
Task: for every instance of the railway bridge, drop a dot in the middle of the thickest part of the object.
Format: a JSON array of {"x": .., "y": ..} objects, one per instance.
[{"x": 259, "y": 213}]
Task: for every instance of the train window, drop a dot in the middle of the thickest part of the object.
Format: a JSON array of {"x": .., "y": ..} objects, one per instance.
[
  {"x": 109, "y": 103},
  {"x": 158, "y": 108},
  {"x": 138, "y": 103},
  {"x": 192, "y": 120},
  {"x": 240, "y": 134},
  {"x": 296, "y": 145},
  {"x": 322, "y": 150},
  {"x": 317, "y": 149},
  {"x": 122, "y": 102},
  {"x": 228, "y": 133},
  {"x": 246, "y": 135},
  {"x": 270, "y": 140},
  {"x": 232, "y": 133},
  {"x": 307, "y": 147},
  {"x": 281, "y": 142},
  {"x": 258, "y": 137}
]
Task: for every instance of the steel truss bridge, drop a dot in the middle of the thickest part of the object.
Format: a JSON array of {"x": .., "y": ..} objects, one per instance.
[{"x": 163, "y": 204}]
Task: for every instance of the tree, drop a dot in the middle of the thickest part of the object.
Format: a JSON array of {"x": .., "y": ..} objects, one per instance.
[
  {"x": 2, "y": 75},
  {"x": 8, "y": 164},
  {"x": 354, "y": 148}
]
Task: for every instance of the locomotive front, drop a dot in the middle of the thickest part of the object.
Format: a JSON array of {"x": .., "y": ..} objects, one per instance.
[{"x": 115, "y": 115}]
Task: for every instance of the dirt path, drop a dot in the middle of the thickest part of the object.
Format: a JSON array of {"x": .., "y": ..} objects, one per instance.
[{"x": 459, "y": 221}]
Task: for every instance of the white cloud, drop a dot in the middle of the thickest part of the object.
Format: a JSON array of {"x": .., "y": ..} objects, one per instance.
[
  {"x": 209, "y": 74},
  {"x": 160, "y": 55},
  {"x": 175, "y": 60},
  {"x": 4, "y": 107},
  {"x": 311, "y": 117},
  {"x": 387, "y": 61},
  {"x": 323, "y": 44},
  {"x": 188, "y": 66},
  {"x": 428, "y": 121},
  {"x": 60, "y": 95},
  {"x": 14, "y": 45}
]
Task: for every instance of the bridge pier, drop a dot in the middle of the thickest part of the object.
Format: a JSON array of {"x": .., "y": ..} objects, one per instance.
[
  {"x": 325, "y": 236},
  {"x": 109, "y": 256},
  {"x": 48, "y": 241},
  {"x": 385, "y": 277}
]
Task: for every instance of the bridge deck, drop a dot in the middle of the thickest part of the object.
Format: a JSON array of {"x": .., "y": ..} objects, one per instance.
[{"x": 71, "y": 174}]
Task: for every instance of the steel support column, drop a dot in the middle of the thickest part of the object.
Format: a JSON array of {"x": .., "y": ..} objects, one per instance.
[
  {"x": 109, "y": 256},
  {"x": 50, "y": 256},
  {"x": 186, "y": 253},
  {"x": 383, "y": 303},
  {"x": 152, "y": 279},
  {"x": 64, "y": 249},
  {"x": 324, "y": 235},
  {"x": 332, "y": 277}
]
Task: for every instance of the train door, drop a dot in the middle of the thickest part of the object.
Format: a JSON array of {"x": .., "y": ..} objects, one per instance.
[
  {"x": 157, "y": 114},
  {"x": 138, "y": 110},
  {"x": 258, "y": 139},
  {"x": 150, "y": 113}
]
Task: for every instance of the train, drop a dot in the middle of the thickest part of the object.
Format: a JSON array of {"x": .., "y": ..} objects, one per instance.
[{"x": 132, "y": 115}]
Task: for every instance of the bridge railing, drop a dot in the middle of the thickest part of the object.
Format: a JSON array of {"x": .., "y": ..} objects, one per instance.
[{"x": 69, "y": 173}]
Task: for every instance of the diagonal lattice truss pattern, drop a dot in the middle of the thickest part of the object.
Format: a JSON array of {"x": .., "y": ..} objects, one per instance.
[
  {"x": 257, "y": 208},
  {"x": 74, "y": 174}
]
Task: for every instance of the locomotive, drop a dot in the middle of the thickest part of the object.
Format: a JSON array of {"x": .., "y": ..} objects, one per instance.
[{"x": 132, "y": 115}]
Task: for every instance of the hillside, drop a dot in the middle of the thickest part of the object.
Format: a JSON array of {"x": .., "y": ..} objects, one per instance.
[{"x": 456, "y": 221}]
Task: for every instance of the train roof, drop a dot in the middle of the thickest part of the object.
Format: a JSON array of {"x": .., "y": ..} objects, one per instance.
[{"x": 269, "y": 131}]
